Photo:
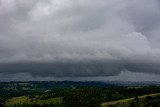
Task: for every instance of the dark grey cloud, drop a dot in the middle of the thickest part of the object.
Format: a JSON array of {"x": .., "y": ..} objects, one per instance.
[
  {"x": 122, "y": 76},
  {"x": 63, "y": 38},
  {"x": 59, "y": 69}
]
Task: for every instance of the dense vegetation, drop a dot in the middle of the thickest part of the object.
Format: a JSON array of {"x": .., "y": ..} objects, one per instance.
[{"x": 72, "y": 94}]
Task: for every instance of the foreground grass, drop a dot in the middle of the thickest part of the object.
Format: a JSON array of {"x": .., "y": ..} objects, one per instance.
[
  {"x": 125, "y": 102},
  {"x": 58, "y": 100},
  {"x": 36, "y": 100}
]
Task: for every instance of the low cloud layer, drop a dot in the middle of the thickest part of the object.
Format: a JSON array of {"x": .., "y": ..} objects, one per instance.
[{"x": 79, "y": 37}]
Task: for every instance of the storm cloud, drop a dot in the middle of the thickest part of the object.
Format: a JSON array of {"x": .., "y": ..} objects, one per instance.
[{"x": 67, "y": 38}]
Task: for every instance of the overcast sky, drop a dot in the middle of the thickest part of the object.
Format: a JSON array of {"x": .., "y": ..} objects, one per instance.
[{"x": 79, "y": 38}]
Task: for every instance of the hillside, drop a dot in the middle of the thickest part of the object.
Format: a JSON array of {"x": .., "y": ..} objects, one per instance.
[
  {"x": 74, "y": 94},
  {"x": 142, "y": 101}
]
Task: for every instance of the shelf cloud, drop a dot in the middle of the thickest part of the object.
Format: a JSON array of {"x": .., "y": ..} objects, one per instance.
[{"x": 79, "y": 38}]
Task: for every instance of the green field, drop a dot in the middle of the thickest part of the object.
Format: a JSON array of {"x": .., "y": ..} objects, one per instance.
[
  {"x": 76, "y": 94},
  {"x": 36, "y": 100},
  {"x": 126, "y": 102}
]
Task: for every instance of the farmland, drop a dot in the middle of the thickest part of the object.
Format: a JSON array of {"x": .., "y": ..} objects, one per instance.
[{"x": 77, "y": 94}]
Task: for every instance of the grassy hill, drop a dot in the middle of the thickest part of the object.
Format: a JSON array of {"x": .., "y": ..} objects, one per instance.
[
  {"x": 32, "y": 100},
  {"x": 75, "y": 94},
  {"x": 58, "y": 100},
  {"x": 128, "y": 102}
]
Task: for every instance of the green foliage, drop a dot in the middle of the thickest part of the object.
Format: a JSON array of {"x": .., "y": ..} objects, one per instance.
[
  {"x": 55, "y": 94},
  {"x": 136, "y": 98}
]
